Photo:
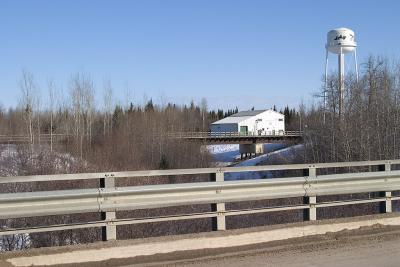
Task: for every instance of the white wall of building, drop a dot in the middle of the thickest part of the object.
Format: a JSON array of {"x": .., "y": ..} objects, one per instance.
[{"x": 266, "y": 123}]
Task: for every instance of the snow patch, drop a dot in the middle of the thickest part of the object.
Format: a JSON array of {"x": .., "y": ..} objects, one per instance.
[
  {"x": 217, "y": 149},
  {"x": 14, "y": 161},
  {"x": 228, "y": 154},
  {"x": 285, "y": 155}
]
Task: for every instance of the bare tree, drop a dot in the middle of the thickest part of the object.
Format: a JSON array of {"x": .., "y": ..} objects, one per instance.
[
  {"x": 82, "y": 105},
  {"x": 368, "y": 129},
  {"x": 27, "y": 102},
  {"x": 203, "y": 106},
  {"x": 52, "y": 88},
  {"x": 108, "y": 108}
]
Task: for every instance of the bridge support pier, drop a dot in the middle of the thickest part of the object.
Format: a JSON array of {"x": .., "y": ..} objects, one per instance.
[
  {"x": 250, "y": 150},
  {"x": 108, "y": 232},
  {"x": 218, "y": 222}
]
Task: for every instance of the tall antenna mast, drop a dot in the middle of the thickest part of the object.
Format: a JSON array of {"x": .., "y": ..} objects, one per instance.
[{"x": 340, "y": 41}]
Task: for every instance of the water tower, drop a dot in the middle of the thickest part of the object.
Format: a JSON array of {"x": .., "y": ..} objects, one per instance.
[{"x": 340, "y": 42}]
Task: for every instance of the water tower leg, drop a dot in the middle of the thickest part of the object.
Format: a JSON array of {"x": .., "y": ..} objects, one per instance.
[
  {"x": 341, "y": 84},
  {"x": 356, "y": 63},
  {"x": 326, "y": 84}
]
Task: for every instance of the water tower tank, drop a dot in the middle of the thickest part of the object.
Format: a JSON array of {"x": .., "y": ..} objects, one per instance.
[{"x": 341, "y": 40}]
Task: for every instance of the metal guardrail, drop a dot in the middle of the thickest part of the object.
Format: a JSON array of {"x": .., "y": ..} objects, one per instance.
[{"x": 109, "y": 199}]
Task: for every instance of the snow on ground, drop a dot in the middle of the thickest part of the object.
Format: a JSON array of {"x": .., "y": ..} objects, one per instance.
[
  {"x": 218, "y": 149},
  {"x": 266, "y": 158},
  {"x": 12, "y": 160},
  {"x": 228, "y": 155},
  {"x": 9, "y": 167},
  {"x": 225, "y": 155},
  {"x": 286, "y": 155},
  {"x": 8, "y": 160}
]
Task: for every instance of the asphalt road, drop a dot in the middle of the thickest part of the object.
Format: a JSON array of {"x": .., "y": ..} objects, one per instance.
[{"x": 367, "y": 249}]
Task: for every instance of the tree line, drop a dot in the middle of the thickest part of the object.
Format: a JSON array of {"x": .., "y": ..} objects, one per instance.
[
  {"x": 134, "y": 137},
  {"x": 128, "y": 136},
  {"x": 369, "y": 128}
]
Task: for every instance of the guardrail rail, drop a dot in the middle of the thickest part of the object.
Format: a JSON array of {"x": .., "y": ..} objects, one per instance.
[{"x": 108, "y": 199}]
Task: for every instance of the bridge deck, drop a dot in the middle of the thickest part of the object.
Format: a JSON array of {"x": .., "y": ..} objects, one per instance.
[
  {"x": 205, "y": 137},
  {"x": 239, "y": 138},
  {"x": 36, "y": 139}
]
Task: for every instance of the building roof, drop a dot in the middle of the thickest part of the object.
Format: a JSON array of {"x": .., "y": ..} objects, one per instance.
[
  {"x": 232, "y": 119},
  {"x": 242, "y": 116},
  {"x": 248, "y": 113}
]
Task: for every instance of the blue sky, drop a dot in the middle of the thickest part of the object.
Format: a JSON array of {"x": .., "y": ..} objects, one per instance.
[{"x": 233, "y": 53}]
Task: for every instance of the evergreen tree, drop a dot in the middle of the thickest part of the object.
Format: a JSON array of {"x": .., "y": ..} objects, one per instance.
[
  {"x": 149, "y": 106},
  {"x": 117, "y": 116},
  {"x": 163, "y": 165}
]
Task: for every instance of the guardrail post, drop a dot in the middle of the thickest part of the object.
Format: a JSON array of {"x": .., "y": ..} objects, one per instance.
[
  {"x": 108, "y": 232},
  {"x": 310, "y": 214},
  {"x": 386, "y": 206},
  {"x": 219, "y": 222}
]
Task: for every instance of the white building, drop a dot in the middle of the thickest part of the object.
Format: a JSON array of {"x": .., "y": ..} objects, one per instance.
[{"x": 252, "y": 122}]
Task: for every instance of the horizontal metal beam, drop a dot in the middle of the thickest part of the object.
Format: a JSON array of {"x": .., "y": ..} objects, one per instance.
[
  {"x": 51, "y": 228},
  {"x": 130, "y": 221},
  {"x": 31, "y": 204},
  {"x": 152, "y": 173},
  {"x": 15, "y": 205}
]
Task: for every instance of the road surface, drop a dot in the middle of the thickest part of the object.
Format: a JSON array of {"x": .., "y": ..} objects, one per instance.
[{"x": 367, "y": 248}]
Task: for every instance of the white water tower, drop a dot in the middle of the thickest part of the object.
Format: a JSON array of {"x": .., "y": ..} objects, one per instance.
[{"x": 340, "y": 41}]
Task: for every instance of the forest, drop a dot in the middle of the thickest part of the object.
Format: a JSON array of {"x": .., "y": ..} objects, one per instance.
[
  {"x": 369, "y": 128},
  {"x": 121, "y": 136}
]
